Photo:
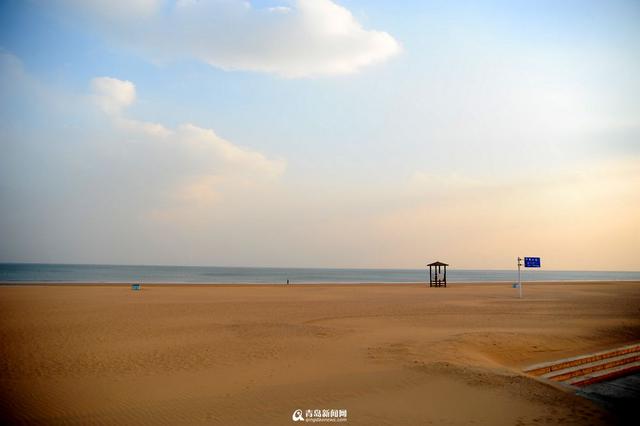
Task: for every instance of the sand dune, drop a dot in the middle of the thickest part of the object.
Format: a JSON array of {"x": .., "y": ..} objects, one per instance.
[{"x": 389, "y": 354}]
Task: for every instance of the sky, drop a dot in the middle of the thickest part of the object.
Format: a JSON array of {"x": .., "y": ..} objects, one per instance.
[{"x": 318, "y": 133}]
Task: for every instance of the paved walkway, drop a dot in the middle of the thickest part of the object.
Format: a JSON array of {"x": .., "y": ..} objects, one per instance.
[{"x": 620, "y": 395}]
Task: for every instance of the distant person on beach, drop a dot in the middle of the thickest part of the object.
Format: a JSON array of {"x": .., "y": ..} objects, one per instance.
[{"x": 287, "y": 281}]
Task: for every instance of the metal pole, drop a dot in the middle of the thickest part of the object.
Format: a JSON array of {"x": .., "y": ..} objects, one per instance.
[{"x": 519, "y": 282}]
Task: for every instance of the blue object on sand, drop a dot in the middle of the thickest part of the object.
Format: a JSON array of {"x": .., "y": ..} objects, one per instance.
[
  {"x": 135, "y": 286},
  {"x": 516, "y": 285}
]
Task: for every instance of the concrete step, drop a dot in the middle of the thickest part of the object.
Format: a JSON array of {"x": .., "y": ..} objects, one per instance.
[
  {"x": 590, "y": 367},
  {"x": 547, "y": 367},
  {"x": 602, "y": 375}
]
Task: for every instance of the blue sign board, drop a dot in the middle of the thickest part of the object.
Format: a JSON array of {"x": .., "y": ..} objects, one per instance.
[{"x": 531, "y": 262}]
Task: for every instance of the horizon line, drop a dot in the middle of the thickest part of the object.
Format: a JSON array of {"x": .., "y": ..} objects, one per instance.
[{"x": 309, "y": 267}]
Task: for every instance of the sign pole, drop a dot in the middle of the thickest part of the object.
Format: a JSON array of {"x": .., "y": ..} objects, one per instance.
[
  {"x": 519, "y": 281},
  {"x": 529, "y": 262}
]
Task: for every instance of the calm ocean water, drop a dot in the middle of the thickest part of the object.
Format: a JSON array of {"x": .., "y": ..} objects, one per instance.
[{"x": 34, "y": 272}]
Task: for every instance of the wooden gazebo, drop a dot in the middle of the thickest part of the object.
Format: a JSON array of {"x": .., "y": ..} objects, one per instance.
[{"x": 437, "y": 274}]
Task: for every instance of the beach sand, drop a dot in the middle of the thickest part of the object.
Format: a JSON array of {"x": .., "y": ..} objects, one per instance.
[{"x": 389, "y": 354}]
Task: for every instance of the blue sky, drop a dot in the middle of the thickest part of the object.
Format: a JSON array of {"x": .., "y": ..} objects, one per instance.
[{"x": 314, "y": 133}]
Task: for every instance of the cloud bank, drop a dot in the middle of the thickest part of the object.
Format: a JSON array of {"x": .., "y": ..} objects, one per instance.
[
  {"x": 196, "y": 163},
  {"x": 303, "y": 38},
  {"x": 84, "y": 179}
]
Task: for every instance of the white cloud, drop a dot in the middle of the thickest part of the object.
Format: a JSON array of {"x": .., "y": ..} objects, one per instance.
[
  {"x": 211, "y": 171},
  {"x": 235, "y": 159},
  {"x": 113, "y": 95},
  {"x": 303, "y": 39},
  {"x": 145, "y": 127},
  {"x": 198, "y": 163}
]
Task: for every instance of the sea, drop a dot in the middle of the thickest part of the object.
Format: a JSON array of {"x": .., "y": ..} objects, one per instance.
[{"x": 15, "y": 273}]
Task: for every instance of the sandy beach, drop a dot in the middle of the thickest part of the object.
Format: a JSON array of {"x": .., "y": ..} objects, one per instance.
[{"x": 388, "y": 354}]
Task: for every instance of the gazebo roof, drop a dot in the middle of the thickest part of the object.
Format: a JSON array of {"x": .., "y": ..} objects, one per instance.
[{"x": 438, "y": 263}]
